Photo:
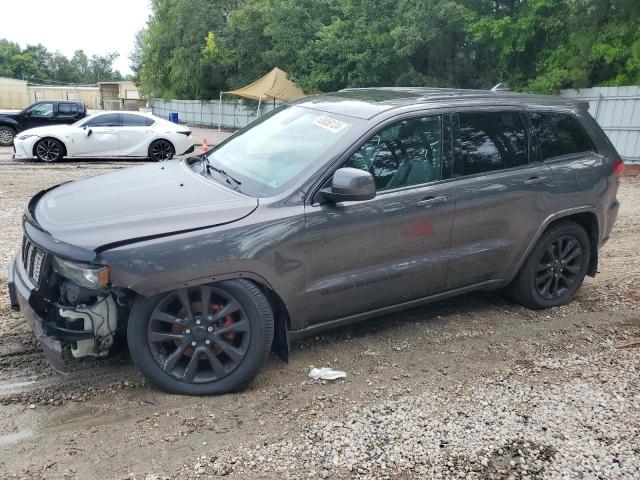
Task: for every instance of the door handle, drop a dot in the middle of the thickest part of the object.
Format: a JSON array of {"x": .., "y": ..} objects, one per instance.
[
  {"x": 535, "y": 180},
  {"x": 431, "y": 201}
]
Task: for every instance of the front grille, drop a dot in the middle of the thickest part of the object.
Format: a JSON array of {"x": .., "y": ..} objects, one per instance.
[{"x": 33, "y": 260}]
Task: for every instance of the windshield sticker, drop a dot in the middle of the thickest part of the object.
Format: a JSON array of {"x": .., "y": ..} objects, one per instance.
[{"x": 329, "y": 123}]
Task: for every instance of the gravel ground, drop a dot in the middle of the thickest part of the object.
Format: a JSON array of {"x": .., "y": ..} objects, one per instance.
[{"x": 475, "y": 387}]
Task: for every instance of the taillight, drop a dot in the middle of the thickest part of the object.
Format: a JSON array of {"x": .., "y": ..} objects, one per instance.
[{"x": 618, "y": 167}]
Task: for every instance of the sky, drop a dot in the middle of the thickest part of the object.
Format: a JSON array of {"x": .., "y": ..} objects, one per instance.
[{"x": 97, "y": 27}]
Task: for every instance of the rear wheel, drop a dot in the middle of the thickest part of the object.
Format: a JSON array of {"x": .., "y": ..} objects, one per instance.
[
  {"x": 7, "y": 134},
  {"x": 203, "y": 340},
  {"x": 555, "y": 269},
  {"x": 160, "y": 150},
  {"x": 49, "y": 150}
]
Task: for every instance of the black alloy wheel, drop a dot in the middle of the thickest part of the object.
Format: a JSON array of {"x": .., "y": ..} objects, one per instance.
[
  {"x": 199, "y": 335},
  {"x": 559, "y": 267},
  {"x": 49, "y": 150},
  {"x": 201, "y": 340},
  {"x": 161, "y": 150},
  {"x": 555, "y": 268}
]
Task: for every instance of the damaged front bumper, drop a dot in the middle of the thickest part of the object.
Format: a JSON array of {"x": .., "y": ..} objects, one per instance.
[
  {"x": 20, "y": 295},
  {"x": 84, "y": 330}
]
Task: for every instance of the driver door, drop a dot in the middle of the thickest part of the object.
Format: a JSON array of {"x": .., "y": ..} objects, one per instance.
[
  {"x": 98, "y": 136},
  {"x": 39, "y": 115},
  {"x": 360, "y": 256}
]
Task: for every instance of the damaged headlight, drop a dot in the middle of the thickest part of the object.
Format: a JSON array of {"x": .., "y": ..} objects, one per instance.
[
  {"x": 24, "y": 137},
  {"x": 84, "y": 274}
]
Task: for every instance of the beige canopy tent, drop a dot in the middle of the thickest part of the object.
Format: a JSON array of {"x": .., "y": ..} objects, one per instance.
[{"x": 273, "y": 86}]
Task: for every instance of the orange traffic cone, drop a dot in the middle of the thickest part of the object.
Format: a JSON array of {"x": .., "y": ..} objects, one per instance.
[{"x": 205, "y": 145}]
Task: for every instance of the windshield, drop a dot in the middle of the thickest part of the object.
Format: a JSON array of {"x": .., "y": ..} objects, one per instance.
[{"x": 272, "y": 153}]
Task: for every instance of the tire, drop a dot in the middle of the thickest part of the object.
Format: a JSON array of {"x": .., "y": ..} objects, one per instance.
[
  {"x": 161, "y": 150},
  {"x": 164, "y": 338},
  {"x": 7, "y": 134},
  {"x": 544, "y": 281},
  {"x": 49, "y": 150}
]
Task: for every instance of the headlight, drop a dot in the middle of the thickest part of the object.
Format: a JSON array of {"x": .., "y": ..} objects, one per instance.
[
  {"x": 84, "y": 274},
  {"x": 24, "y": 137}
]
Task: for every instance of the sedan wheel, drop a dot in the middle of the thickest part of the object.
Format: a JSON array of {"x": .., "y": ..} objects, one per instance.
[
  {"x": 161, "y": 150},
  {"x": 49, "y": 150},
  {"x": 6, "y": 136},
  {"x": 208, "y": 339}
]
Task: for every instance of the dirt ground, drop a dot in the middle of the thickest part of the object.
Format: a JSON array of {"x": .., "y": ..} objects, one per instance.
[{"x": 104, "y": 421}]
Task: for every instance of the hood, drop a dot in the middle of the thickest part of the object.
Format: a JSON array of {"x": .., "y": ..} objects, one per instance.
[
  {"x": 13, "y": 115},
  {"x": 135, "y": 203}
]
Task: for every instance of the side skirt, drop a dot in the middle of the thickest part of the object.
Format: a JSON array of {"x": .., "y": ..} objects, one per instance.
[{"x": 358, "y": 317}]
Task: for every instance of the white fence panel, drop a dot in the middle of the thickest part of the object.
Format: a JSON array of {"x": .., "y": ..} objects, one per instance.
[
  {"x": 617, "y": 111},
  {"x": 235, "y": 113}
]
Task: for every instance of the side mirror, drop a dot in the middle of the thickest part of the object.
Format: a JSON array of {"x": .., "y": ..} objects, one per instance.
[
  {"x": 350, "y": 185},
  {"x": 87, "y": 131}
]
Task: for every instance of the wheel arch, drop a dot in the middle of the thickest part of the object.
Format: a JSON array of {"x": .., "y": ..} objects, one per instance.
[
  {"x": 586, "y": 217},
  {"x": 281, "y": 343},
  {"x": 52, "y": 137},
  {"x": 163, "y": 138}
]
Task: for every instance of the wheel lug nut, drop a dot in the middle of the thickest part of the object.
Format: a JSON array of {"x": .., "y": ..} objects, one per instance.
[
  {"x": 187, "y": 331},
  {"x": 210, "y": 329},
  {"x": 193, "y": 344},
  {"x": 207, "y": 341}
]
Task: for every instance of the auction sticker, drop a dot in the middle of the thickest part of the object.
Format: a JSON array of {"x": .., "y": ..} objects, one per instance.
[{"x": 329, "y": 123}]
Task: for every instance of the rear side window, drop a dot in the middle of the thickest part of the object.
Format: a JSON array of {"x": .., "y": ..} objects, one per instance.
[
  {"x": 559, "y": 134},
  {"x": 132, "y": 120},
  {"x": 67, "y": 109},
  {"x": 492, "y": 141},
  {"x": 106, "y": 120}
]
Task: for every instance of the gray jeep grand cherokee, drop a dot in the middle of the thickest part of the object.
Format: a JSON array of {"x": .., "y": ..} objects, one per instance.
[{"x": 327, "y": 211}]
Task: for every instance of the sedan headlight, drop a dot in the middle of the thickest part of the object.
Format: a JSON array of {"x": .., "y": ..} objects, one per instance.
[
  {"x": 84, "y": 274},
  {"x": 24, "y": 137}
]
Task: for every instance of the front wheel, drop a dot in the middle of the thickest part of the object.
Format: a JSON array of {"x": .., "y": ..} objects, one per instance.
[
  {"x": 160, "y": 150},
  {"x": 555, "y": 269},
  {"x": 7, "y": 134},
  {"x": 49, "y": 150},
  {"x": 204, "y": 340}
]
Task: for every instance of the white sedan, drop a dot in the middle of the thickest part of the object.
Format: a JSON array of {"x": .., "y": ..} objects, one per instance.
[{"x": 106, "y": 134}]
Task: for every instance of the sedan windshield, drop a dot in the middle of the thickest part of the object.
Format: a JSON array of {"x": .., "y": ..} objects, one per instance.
[{"x": 275, "y": 151}]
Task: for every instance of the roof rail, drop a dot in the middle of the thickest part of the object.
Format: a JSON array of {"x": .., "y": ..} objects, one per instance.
[{"x": 501, "y": 87}]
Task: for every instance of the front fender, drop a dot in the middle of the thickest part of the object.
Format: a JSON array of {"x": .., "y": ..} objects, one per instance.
[{"x": 9, "y": 122}]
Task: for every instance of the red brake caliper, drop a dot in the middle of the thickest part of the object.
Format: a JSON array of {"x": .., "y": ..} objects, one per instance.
[{"x": 228, "y": 321}]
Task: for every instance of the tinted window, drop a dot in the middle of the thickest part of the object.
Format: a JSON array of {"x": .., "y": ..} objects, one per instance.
[
  {"x": 106, "y": 120},
  {"x": 42, "y": 110},
  {"x": 67, "y": 109},
  {"x": 492, "y": 141},
  {"x": 131, "y": 120},
  {"x": 559, "y": 134},
  {"x": 406, "y": 153}
]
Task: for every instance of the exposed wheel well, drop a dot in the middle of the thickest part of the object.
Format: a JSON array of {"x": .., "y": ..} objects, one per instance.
[
  {"x": 64, "y": 147},
  {"x": 589, "y": 222},
  {"x": 164, "y": 140},
  {"x": 281, "y": 320}
]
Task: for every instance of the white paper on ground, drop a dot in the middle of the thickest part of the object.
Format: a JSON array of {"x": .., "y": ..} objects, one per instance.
[{"x": 326, "y": 373}]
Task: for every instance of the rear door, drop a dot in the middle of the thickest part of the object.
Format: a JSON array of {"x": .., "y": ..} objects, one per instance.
[
  {"x": 98, "y": 136},
  {"x": 504, "y": 194},
  {"x": 365, "y": 255},
  {"x": 68, "y": 112},
  {"x": 135, "y": 134}
]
